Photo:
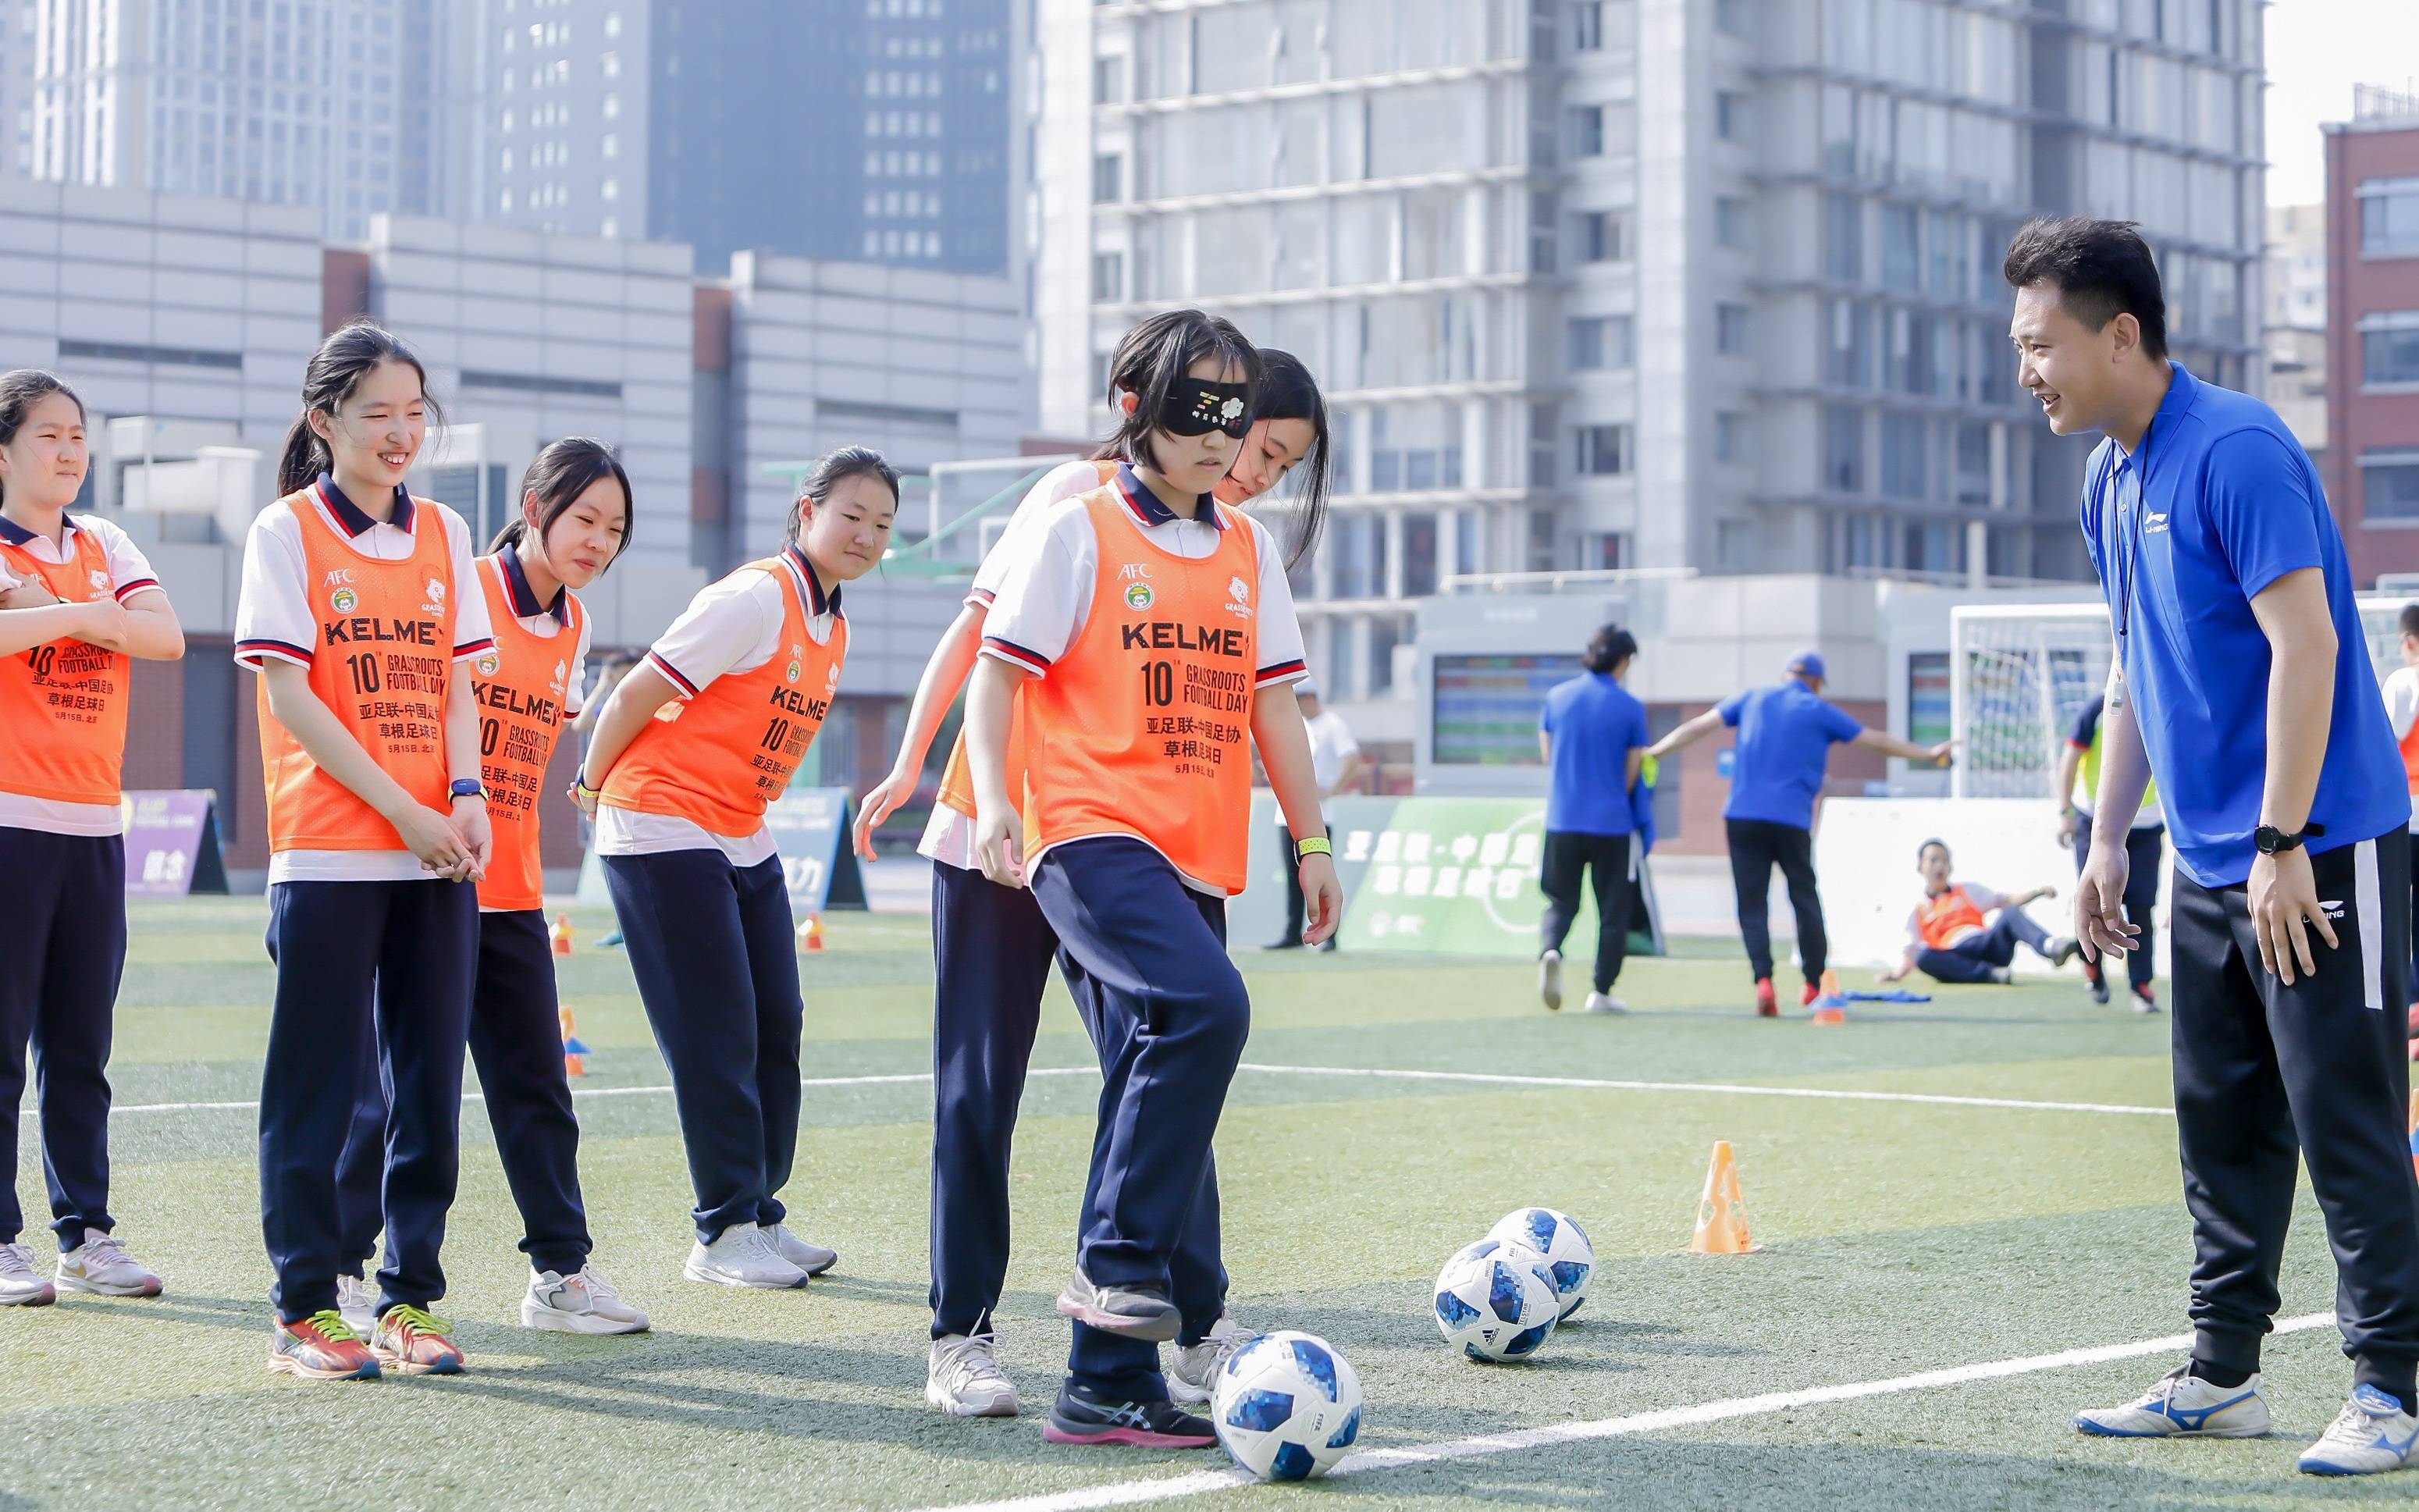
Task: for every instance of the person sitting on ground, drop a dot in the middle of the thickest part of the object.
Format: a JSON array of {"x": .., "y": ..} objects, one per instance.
[{"x": 1947, "y": 939}]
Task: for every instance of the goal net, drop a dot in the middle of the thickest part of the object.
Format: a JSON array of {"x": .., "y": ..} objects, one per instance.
[{"x": 2019, "y": 673}]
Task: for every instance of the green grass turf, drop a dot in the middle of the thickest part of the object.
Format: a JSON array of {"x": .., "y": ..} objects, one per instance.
[{"x": 1901, "y": 1237}]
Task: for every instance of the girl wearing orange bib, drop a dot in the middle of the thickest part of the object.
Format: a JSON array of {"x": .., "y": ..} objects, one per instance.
[
  {"x": 360, "y": 602},
  {"x": 77, "y": 602},
  {"x": 1147, "y": 663},
  {"x": 687, "y": 754},
  {"x": 574, "y": 521}
]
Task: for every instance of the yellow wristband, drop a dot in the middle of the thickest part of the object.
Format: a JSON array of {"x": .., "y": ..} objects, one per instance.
[{"x": 1315, "y": 845}]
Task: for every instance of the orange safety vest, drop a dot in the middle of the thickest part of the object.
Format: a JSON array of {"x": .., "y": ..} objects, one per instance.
[
  {"x": 1948, "y": 919},
  {"x": 381, "y": 652},
  {"x": 1142, "y": 726},
  {"x": 2411, "y": 757},
  {"x": 719, "y": 759},
  {"x": 519, "y": 687},
  {"x": 957, "y": 778},
  {"x": 64, "y": 702}
]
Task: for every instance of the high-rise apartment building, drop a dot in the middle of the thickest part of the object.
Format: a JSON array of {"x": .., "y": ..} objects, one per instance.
[
  {"x": 860, "y": 129},
  {"x": 2372, "y": 291},
  {"x": 1692, "y": 285},
  {"x": 16, "y": 86},
  {"x": 337, "y": 105}
]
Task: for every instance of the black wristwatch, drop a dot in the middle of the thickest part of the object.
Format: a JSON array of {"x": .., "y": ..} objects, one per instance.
[{"x": 2271, "y": 841}]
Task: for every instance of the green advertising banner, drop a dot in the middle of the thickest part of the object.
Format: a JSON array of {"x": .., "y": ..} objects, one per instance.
[{"x": 1455, "y": 876}]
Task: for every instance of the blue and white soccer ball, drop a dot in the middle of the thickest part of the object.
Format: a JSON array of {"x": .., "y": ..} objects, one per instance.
[
  {"x": 1287, "y": 1406},
  {"x": 1569, "y": 1257},
  {"x": 1496, "y": 1301}
]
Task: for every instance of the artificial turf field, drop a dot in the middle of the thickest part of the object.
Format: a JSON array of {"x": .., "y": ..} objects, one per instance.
[{"x": 1904, "y": 1236}]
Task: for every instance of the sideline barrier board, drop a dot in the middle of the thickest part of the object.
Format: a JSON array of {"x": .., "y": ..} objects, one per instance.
[
  {"x": 810, "y": 826},
  {"x": 1864, "y": 859},
  {"x": 1455, "y": 876},
  {"x": 172, "y": 844}
]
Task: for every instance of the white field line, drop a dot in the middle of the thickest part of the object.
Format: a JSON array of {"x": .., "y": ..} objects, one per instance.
[
  {"x": 1136, "y": 1492},
  {"x": 1364, "y": 1073}
]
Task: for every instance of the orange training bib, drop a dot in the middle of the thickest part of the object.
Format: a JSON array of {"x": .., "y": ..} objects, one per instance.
[
  {"x": 1950, "y": 917},
  {"x": 382, "y": 651},
  {"x": 719, "y": 760},
  {"x": 1142, "y": 726},
  {"x": 519, "y": 687},
  {"x": 64, "y": 702}
]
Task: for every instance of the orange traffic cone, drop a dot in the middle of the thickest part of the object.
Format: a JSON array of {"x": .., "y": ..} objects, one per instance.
[
  {"x": 561, "y": 934},
  {"x": 1830, "y": 1009},
  {"x": 810, "y": 933},
  {"x": 575, "y": 1055},
  {"x": 1721, "y": 1213}
]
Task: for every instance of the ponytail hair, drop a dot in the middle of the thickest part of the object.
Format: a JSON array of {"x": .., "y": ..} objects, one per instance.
[
  {"x": 336, "y": 369},
  {"x": 1287, "y": 392},
  {"x": 832, "y": 469},
  {"x": 1609, "y": 648},
  {"x": 19, "y": 391},
  {"x": 1150, "y": 362},
  {"x": 558, "y": 476}
]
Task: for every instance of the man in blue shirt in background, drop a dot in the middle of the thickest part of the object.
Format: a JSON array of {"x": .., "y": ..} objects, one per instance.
[
  {"x": 1785, "y": 735},
  {"x": 2242, "y": 681},
  {"x": 1594, "y": 738}
]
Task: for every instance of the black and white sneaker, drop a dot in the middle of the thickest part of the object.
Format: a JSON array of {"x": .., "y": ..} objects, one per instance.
[
  {"x": 1133, "y": 1312},
  {"x": 1081, "y": 1417}
]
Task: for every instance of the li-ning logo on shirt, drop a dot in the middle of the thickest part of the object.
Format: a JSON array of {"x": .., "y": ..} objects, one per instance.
[
  {"x": 2331, "y": 907},
  {"x": 2153, "y": 524}
]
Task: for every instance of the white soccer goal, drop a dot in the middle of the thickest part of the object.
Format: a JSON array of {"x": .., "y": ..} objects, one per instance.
[{"x": 2019, "y": 673}]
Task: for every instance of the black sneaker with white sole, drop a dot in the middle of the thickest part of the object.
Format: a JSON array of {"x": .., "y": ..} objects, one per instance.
[
  {"x": 1131, "y": 1312},
  {"x": 1081, "y": 1416}
]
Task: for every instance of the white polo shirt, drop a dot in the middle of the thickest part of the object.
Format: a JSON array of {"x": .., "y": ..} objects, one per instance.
[
  {"x": 273, "y": 620},
  {"x": 129, "y": 574},
  {"x": 732, "y": 626}
]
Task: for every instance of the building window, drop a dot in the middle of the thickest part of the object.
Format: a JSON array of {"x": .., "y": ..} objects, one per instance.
[
  {"x": 1734, "y": 546},
  {"x": 1108, "y": 80},
  {"x": 1730, "y": 435},
  {"x": 1733, "y": 333},
  {"x": 1730, "y": 115},
  {"x": 2389, "y": 348},
  {"x": 1844, "y": 239},
  {"x": 1603, "y": 236},
  {"x": 1843, "y": 449},
  {"x": 1587, "y": 26},
  {"x": 1732, "y": 18},
  {"x": 1731, "y": 224},
  {"x": 1108, "y": 277},
  {"x": 1586, "y": 130},
  {"x": 1904, "y": 457},
  {"x": 1848, "y": 355},
  {"x": 1602, "y": 550},
  {"x": 1600, "y": 341},
  {"x": 1602, "y": 451},
  {"x": 1419, "y": 556},
  {"x": 1108, "y": 178},
  {"x": 2389, "y": 485}
]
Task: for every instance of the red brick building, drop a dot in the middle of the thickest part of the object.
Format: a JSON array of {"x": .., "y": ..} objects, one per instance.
[{"x": 2371, "y": 466}]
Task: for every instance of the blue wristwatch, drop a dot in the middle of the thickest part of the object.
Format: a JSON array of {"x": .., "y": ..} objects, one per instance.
[{"x": 467, "y": 787}]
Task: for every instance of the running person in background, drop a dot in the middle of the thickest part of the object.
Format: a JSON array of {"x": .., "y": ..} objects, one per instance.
[
  {"x": 1335, "y": 763},
  {"x": 992, "y": 947},
  {"x": 358, "y": 602},
  {"x": 574, "y": 520},
  {"x": 2403, "y": 714},
  {"x": 1785, "y": 735},
  {"x": 693, "y": 747},
  {"x": 1951, "y": 936},
  {"x": 1148, "y": 632},
  {"x": 77, "y": 601},
  {"x": 2242, "y": 682},
  {"x": 2145, "y": 849},
  {"x": 1592, "y": 735}
]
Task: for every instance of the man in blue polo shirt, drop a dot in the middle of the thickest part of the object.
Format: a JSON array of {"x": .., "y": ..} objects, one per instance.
[
  {"x": 2242, "y": 681},
  {"x": 1785, "y": 735},
  {"x": 1593, "y": 734}
]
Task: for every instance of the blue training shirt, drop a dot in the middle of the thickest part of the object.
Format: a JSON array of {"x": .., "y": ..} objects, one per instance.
[
  {"x": 2217, "y": 503},
  {"x": 1785, "y": 735},
  {"x": 1594, "y": 724}
]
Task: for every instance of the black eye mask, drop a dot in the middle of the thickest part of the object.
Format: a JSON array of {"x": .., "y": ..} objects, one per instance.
[{"x": 1196, "y": 406}]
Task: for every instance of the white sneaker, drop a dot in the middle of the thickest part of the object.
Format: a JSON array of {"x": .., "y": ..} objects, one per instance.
[
  {"x": 812, "y": 1259},
  {"x": 963, "y": 1378},
  {"x": 580, "y": 1303},
  {"x": 741, "y": 1256},
  {"x": 1549, "y": 978},
  {"x": 357, "y": 1304},
  {"x": 1606, "y": 1003},
  {"x": 2371, "y": 1434},
  {"x": 101, "y": 1265},
  {"x": 1193, "y": 1377},
  {"x": 21, "y": 1285},
  {"x": 2181, "y": 1405}
]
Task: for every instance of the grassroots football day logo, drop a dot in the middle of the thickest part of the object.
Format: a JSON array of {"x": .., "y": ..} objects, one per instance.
[
  {"x": 831, "y": 676},
  {"x": 436, "y": 590},
  {"x": 1238, "y": 593},
  {"x": 488, "y": 664},
  {"x": 100, "y": 580},
  {"x": 797, "y": 662},
  {"x": 1139, "y": 596},
  {"x": 561, "y": 671},
  {"x": 344, "y": 600}
]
